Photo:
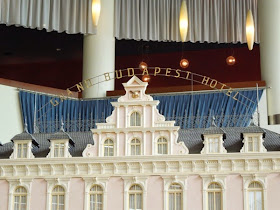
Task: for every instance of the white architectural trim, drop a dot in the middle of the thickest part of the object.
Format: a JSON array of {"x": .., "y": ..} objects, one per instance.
[
  {"x": 60, "y": 141},
  {"x": 207, "y": 180},
  {"x": 205, "y": 149},
  {"x": 245, "y": 148},
  {"x": 128, "y": 182},
  {"x": 247, "y": 180},
  {"x": 28, "y": 151},
  {"x": 89, "y": 182},
  {"x": 268, "y": 162},
  {"x": 13, "y": 185},
  {"x": 182, "y": 181},
  {"x": 51, "y": 184}
]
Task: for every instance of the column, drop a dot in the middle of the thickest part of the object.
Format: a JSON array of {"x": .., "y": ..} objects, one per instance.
[
  {"x": 269, "y": 17},
  {"x": 99, "y": 53}
]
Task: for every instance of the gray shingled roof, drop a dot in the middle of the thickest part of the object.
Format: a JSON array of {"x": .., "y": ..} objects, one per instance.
[
  {"x": 191, "y": 138},
  {"x": 61, "y": 134},
  {"x": 213, "y": 129},
  {"x": 253, "y": 129},
  {"x": 80, "y": 139},
  {"x": 233, "y": 142},
  {"x": 25, "y": 135}
]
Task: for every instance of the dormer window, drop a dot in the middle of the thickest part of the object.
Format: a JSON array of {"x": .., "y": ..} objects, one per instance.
[
  {"x": 23, "y": 145},
  {"x": 60, "y": 144},
  {"x": 213, "y": 145},
  {"x": 213, "y": 140},
  {"x": 253, "y": 144},
  {"x": 59, "y": 149},
  {"x": 253, "y": 139},
  {"x": 21, "y": 150},
  {"x": 135, "y": 119}
]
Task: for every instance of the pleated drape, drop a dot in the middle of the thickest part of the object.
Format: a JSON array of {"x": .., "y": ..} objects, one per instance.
[
  {"x": 71, "y": 16},
  {"x": 189, "y": 111},
  {"x": 221, "y": 21}
]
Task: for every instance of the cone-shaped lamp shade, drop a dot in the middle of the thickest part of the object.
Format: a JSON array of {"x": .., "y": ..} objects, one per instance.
[
  {"x": 95, "y": 10},
  {"x": 183, "y": 21},
  {"x": 250, "y": 30}
]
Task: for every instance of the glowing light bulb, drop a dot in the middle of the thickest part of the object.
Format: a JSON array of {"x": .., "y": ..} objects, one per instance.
[
  {"x": 146, "y": 78},
  {"x": 143, "y": 65},
  {"x": 184, "y": 63},
  {"x": 230, "y": 60}
]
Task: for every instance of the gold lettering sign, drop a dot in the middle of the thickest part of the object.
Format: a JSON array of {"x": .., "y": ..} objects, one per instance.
[
  {"x": 69, "y": 92},
  {"x": 177, "y": 73},
  {"x": 130, "y": 72},
  {"x": 118, "y": 75},
  {"x": 213, "y": 83},
  {"x": 205, "y": 80},
  {"x": 107, "y": 76},
  {"x": 80, "y": 87},
  {"x": 157, "y": 70},
  {"x": 88, "y": 83},
  {"x": 145, "y": 71},
  {"x": 168, "y": 70},
  {"x": 55, "y": 103}
]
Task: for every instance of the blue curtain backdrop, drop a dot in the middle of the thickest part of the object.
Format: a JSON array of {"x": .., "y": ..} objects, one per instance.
[{"x": 189, "y": 110}]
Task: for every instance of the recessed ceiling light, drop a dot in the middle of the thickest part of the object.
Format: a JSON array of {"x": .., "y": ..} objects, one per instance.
[{"x": 58, "y": 49}]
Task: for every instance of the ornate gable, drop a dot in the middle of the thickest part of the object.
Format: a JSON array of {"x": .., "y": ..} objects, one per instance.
[{"x": 135, "y": 127}]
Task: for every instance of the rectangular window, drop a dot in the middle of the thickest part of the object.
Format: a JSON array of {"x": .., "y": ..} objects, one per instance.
[
  {"x": 213, "y": 145},
  {"x": 22, "y": 150},
  {"x": 253, "y": 144},
  {"x": 255, "y": 200},
  {"x": 214, "y": 201},
  {"x": 59, "y": 149}
]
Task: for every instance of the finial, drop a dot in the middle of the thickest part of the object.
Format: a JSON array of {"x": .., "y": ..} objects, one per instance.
[
  {"x": 213, "y": 121},
  {"x": 252, "y": 123},
  {"x": 61, "y": 126},
  {"x": 25, "y": 126}
]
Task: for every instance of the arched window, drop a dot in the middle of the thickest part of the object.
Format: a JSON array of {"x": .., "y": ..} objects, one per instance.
[
  {"x": 108, "y": 147},
  {"x": 96, "y": 198},
  {"x": 255, "y": 196},
  {"x": 135, "y": 197},
  {"x": 135, "y": 119},
  {"x": 175, "y": 197},
  {"x": 58, "y": 198},
  {"x": 214, "y": 197},
  {"x": 135, "y": 147},
  {"x": 20, "y": 199},
  {"x": 162, "y": 146}
]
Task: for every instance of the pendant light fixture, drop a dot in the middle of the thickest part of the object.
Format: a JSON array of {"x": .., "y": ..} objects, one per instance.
[
  {"x": 230, "y": 60},
  {"x": 183, "y": 21},
  {"x": 95, "y": 10},
  {"x": 184, "y": 63},
  {"x": 250, "y": 30},
  {"x": 143, "y": 65}
]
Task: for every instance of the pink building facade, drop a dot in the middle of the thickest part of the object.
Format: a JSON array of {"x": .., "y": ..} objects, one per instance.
[{"x": 139, "y": 161}]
